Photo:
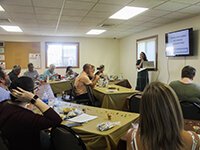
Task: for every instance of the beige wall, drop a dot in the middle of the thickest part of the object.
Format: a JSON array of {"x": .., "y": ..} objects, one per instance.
[
  {"x": 96, "y": 51},
  {"x": 128, "y": 53}
]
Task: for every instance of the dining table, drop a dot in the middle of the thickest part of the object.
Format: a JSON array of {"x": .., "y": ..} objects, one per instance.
[
  {"x": 93, "y": 138},
  {"x": 113, "y": 96}
]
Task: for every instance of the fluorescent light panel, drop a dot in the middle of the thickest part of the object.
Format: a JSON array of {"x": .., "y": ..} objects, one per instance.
[
  {"x": 95, "y": 31},
  {"x": 1, "y": 8},
  {"x": 11, "y": 28},
  {"x": 128, "y": 12}
]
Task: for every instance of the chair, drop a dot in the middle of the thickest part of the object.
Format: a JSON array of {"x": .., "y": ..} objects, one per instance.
[
  {"x": 64, "y": 138},
  {"x": 134, "y": 103},
  {"x": 3, "y": 142},
  {"x": 93, "y": 100},
  {"x": 191, "y": 110}
]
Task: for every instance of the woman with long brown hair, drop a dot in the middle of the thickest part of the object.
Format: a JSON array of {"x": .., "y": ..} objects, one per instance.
[{"x": 161, "y": 124}]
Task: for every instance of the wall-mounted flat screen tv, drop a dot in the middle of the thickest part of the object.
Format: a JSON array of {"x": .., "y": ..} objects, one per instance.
[{"x": 179, "y": 43}]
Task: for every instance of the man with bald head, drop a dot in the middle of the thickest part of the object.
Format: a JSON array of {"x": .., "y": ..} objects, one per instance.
[
  {"x": 13, "y": 75},
  {"x": 83, "y": 80}
]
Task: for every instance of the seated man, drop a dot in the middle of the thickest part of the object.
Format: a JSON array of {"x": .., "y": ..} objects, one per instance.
[
  {"x": 33, "y": 74},
  {"x": 13, "y": 75},
  {"x": 4, "y": 84},
  {"x": 185, "y": 88},
  {"x": 49, "y": 73},
  {"x": 83, "y": 80}
]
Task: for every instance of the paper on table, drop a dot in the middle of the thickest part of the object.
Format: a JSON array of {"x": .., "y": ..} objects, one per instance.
[{"x": 82, "y": 118}]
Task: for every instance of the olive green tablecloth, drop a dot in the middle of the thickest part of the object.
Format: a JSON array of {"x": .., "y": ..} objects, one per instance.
[
  {"x": 115, "y": 99},
  {"x": 59, "y": 86},
  {"x": 102, "y": 140}
]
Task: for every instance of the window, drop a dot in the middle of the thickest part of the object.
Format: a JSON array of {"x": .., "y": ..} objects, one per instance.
[
  {"x": 149, "y": 47},
  {"x": 62, "y": 54}
]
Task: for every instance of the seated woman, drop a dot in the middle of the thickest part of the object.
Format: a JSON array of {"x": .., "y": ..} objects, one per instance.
[
  {"x": 161, "y": 125},
  {"x": 21, "y": 126},
  {"x": 70, "y": 73}
]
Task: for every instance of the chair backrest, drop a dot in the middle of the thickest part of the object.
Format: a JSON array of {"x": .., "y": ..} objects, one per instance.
[
  {"x": 191, "y": 110},
  {"x": 134, "y": 103},
  {"x": 3, "y": 142},
  {"x": 72, "y": 92},
  {"x": 64, "y": 138},
  {"x": 90, "y": 95}
]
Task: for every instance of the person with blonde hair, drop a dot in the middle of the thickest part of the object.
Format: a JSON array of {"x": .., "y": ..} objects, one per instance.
[{"x": 161, "y": 125}]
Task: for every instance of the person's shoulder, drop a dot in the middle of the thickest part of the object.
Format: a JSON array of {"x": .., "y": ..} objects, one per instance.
[
  {"x": 174, "y": 82},
  {"x": 190, "y": 138}
]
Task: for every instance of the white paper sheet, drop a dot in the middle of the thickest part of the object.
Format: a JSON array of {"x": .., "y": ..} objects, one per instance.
[{"x": 82, "y": 118}]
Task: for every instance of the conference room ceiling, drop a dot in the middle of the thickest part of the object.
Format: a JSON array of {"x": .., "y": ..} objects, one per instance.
[{"x": 46, "y": 17}]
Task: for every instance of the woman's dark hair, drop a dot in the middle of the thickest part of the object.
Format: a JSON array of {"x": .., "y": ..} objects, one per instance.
[
  {"x": 68, "y": 68},
  {"x": 145, "y": 57},
  {"x": 188, "y": 72},
  {"x": 26, "y": 83},
  {"x": 2, "y": 74},
  {"x": 161, "y": 119}
]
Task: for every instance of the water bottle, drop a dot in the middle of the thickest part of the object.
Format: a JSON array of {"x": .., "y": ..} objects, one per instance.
[{"x": 45, "y": 98}]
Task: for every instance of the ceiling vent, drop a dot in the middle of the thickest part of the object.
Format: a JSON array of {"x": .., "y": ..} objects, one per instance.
[
  {"x": 4, "y": 21},
  {"x": 106, "y": 25}
]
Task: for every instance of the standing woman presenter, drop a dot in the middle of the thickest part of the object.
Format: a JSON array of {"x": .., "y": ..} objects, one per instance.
[{"x": 142, "y": 76}]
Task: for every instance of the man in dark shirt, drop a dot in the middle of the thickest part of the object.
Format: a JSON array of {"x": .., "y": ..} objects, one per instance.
[
  {"x": 13, "y": 75},
  {"x": 185, "y": 89},
  {"x": 21, "y": 126}
]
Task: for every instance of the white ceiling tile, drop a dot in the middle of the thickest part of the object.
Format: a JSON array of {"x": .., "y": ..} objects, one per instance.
[
  {"x": 172, "y": 6},
  {"x": 48, "y": 3},
  {"x": 147, "y": 3},
  {"x": 47, "y": 17},
  {"x": 47, "y": 11},
  {"x": 107, "y": 7},
  {"x": 66, "y": 24},
  {"x": 74, "y": 12},
  {"x": 116, "y": 2},
  {"x": 142, "y": 18},
  {"x": 79, "y": 5},
  {"x": 192, "y": 10},
  {"x": 93, "y": 19},
  {"x": 18, "y": 9},
  {"x": 156, "y": 13},
  {"x": 113, "y": 21},
  {"x": 71, "y": 18},
  {"x": 162, "y": 20},
  {"x": 177, "y": 15},
  {"x": 92, "y": 1},
  {"x": 187, "y": 1},
  {"x": 99, "y": 14},
  {"x": 16, "y": 2},
  {"x": 21, "y": 16}
]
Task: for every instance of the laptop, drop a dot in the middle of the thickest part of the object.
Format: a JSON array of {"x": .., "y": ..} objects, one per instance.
[{"x": 148, "y": 64}]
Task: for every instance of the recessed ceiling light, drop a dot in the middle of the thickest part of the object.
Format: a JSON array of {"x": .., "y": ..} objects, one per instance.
[
  {"x": 128, "y": 12},
  {"x": 95, "y": 32},
  {"x": 1, "y": 8},
  {"x": 11, "y": 28}
]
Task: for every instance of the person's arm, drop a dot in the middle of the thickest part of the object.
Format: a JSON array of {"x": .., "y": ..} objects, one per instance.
[
  {"x": 94, "y": 81},
  {"x": 49, "y": 118},
  {"x": 139, "y": 64},
  {"x": 89, "y": 82}
]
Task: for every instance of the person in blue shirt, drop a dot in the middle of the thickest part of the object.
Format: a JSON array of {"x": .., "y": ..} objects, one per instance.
[
  {"x": 4, "y": 84},
  {"x": 49, "y": 73}
]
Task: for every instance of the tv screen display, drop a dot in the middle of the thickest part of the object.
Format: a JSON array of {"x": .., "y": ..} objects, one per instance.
[{"x": 179, "y": 43}]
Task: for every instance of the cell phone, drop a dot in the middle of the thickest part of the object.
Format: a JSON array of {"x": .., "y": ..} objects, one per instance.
[{"x": 75, "y": 124}]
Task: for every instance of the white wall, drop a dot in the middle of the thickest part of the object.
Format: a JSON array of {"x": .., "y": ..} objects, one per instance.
[
  {"x": 128, "y": 53},
  {"x": 96, "y": 51}
]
